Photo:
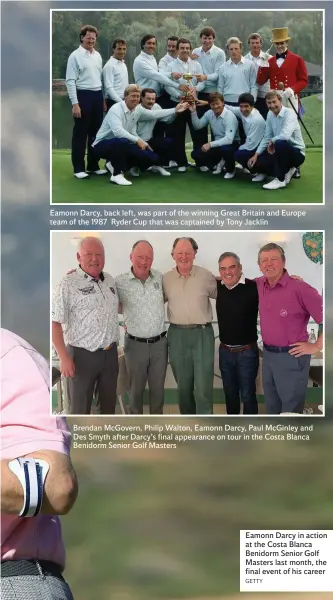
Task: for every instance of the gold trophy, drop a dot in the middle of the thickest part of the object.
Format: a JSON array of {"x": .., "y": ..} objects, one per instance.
[{"x": 187, "y": 96}]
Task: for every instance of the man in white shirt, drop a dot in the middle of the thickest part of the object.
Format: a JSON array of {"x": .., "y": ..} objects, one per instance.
[
  {"x": 165, "y": 147},
  {"x": 115, "y": 74},
  {"x": 117, "y": 140},
  {"x": 84, "y": 86},
  {"x": 172, "y": 53},
  {"x": 259, "y": 58},
  {"x": 145, "y": 69},
  {"x": 211, "y": 58},
  {"x": 237, "y": 75},
  {"x": 85, "y": 331},
  {"x": 181, "y": 65},
  {"x": 254, "y": 128},
  {"x": 282, "y": 148}
]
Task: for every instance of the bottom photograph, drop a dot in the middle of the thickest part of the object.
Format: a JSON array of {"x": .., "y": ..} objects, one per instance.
[{"x": 187, "y": 323}]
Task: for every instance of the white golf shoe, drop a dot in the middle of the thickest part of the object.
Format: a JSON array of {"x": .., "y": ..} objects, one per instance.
[
  {"x": 81, "y": 175},
  {"x": 230, "y": 175},
  {"x": 258, "y": 177},
  {"x": 120, "y": 179},
  {"x": 275, "y": 184},
  {"x": 289, "y": 175},
  {"x": 160, "y": 170}
]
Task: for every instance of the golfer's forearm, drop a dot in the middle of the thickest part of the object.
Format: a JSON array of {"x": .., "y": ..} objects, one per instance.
[
  {"x": 60, "y": 487},
  {"x": 12, "y": 496},
  {"x": 58, "y": 339}
]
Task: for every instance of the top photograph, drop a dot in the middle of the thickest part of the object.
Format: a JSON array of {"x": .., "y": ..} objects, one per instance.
[{"x": 186, "y": 107}]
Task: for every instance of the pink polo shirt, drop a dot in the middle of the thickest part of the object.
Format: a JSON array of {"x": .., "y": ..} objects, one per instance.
[
  {"x": 26, "y": 427},
  {"x": 285, "y": 310}
]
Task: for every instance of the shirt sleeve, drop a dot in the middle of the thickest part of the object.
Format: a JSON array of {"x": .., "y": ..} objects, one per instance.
[
  {"x": 60, "y": 303},
  {"x": 72, "y": 74},
  {"x": 27, "y": 424},
  {"x": 148, "y": 72},
  {"x": 199, "y": 86},
  {"x": 152, "y": 115},
  {"x": 255, "y": 133},
  {"x": 302, "y": 76},
  {"x": 163, "y": 65},
  {"x": 199, "y": 123},
  {"x": 288, "y": 127},
  {"x": 253, "y": 81},
  {"x": 311, "y": 300},
  {"x": 108, "y": 80},
  {"x": 220, "y": 80},
  {"x": 266, "y": 139},
  {"x": 230, "y": 131},
  {"x": 212, "y": 287}
]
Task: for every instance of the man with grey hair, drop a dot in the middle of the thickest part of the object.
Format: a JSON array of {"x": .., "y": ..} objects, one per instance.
[
  {"x": 146, "y": 349},
  {"x": 237, "y": 315},
  {"x": 188, "y": 289},
  {"x": 285, "y": 305},
  {"x": 85, "y": 331}
]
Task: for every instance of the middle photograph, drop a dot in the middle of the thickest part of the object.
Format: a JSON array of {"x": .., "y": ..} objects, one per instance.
[{"x": 187, "y": 323}]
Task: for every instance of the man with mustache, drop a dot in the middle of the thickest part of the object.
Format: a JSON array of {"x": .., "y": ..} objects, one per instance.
[
  {"x": 85, "y": 331},
  {"x": 146, "y": 349},
  {"x": 187, "y": 290}
]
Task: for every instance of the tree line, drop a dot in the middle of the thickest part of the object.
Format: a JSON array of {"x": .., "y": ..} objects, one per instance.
[{"x": 305, "y": 29}]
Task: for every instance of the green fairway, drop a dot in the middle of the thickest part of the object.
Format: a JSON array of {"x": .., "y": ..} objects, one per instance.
[{"x": 190, "y": 187}]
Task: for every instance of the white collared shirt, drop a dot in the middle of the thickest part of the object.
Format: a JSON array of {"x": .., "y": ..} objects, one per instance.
[
  {"x": 254, "y": 127},
  {"x": 260, "y": 61},
  {"x": 284, "y": 126},
  {"x": 120, "y": 122},
  {"x": 84, "y": 72},
  {"x": 179, "y": 66},
  {"x": 115, "y": 79},
  {"x": 165, "y": 60},
  {"x": 240, "y": 280},
  {"x": 211, "y": 62},
  {"x": 87, "y": 310}
]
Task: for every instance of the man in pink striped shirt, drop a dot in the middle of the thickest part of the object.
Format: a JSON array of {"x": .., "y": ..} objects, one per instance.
[
  {"x": 32, "y": 550},
  {"x": 285, "y": 307}
]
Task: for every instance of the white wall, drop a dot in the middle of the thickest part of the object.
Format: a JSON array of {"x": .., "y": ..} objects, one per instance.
[{"x": 211, "y": 245}]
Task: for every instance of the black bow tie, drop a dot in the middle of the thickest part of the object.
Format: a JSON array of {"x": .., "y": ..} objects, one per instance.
[{"x": 283, "y": 55}]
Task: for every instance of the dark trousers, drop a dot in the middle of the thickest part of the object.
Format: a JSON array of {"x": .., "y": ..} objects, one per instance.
[
  {"x": 164, "y": 147},
  {"x": 177, "y": 131},
  {"x": 214, "y": 155},
  {"x": 109, "y": 103},
  {"x": 146, "y": 363},
  {"x": 279, "y": 163},
  {"x": 85, "y": 129},
  {"x": 285, "y": 380},
  {"x": 96, "y": 375},
  {"x": 261, "y": 105},
  {"x": 242, "y": 157},
  {"x": 201, "y": 135},
  {"x": 239, "y": 372},
  {"x": 124, "y": 154}
]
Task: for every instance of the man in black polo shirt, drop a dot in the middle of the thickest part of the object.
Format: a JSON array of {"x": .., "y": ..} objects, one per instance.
[{"x": 237, "y": 314}]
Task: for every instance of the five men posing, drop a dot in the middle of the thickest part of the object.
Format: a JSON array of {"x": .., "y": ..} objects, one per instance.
[
  {"x": 87, "y": 301},
  {"x": 184, "y": 79}
]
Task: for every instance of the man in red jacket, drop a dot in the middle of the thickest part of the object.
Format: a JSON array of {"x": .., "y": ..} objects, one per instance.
[{"x": 285, "y": 71}]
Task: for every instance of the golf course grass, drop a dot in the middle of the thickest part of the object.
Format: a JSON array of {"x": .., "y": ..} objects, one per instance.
[{"x": 191, "y": 187}]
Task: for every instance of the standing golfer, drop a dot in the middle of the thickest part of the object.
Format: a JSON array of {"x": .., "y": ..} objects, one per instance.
[{"x": 38, "y": 481}]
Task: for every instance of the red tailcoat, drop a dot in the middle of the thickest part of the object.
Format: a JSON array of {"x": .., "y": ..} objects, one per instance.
[{"x": 292, "y": 73}]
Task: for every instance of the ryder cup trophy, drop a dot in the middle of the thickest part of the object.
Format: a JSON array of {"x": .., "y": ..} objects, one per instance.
[{"x": 187, "y": 96}]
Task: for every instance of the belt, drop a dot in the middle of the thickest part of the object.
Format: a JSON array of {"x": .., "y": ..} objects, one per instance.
[
  {"x": 239, "y": 348},
  {"x": 150, "y": 340},
  {"x": 277, "y": 348},
  {"x": 18, "y": 568},
  {"x": 190, "y": 326},
  {"x": 108, "y": 347}
]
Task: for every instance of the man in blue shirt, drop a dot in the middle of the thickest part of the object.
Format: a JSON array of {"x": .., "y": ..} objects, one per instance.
[
  {"x": 211, "y": 58},
  {"x": 224, "y": 126},
  {"x": 282, "y": 148}
]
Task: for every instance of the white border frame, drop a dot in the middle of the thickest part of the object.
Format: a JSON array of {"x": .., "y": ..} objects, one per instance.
[
  {"x": 323, "y": 10},
  {"x": 189, "y": 233}
]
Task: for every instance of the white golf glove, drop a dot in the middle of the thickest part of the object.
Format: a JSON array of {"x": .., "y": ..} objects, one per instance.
[{"x": 288, "y": 93}]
